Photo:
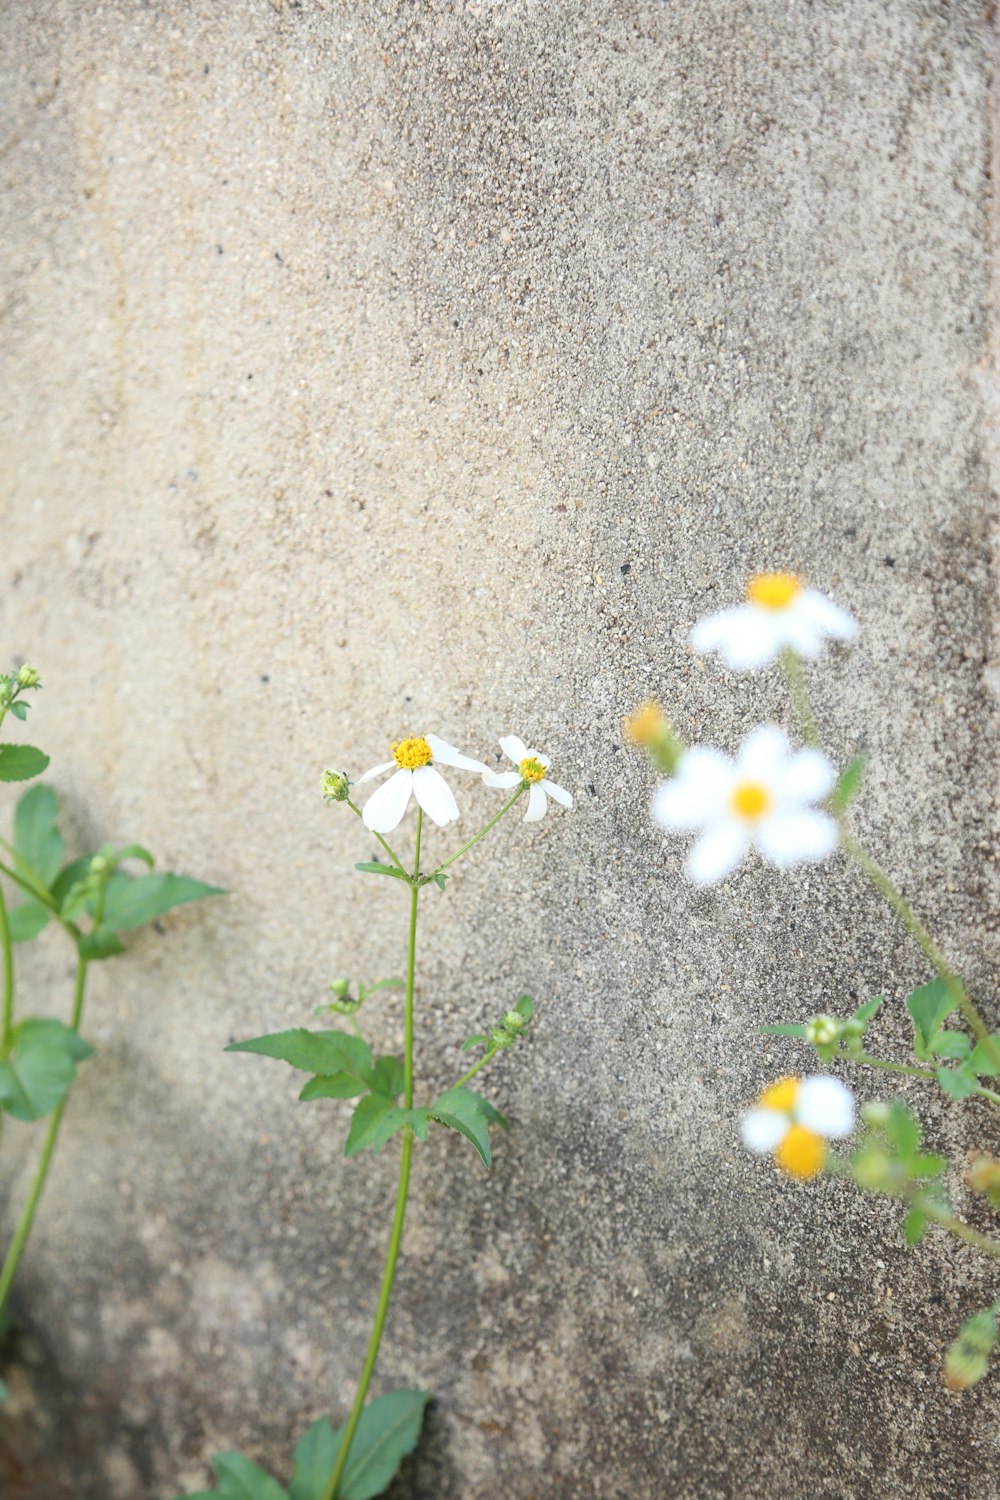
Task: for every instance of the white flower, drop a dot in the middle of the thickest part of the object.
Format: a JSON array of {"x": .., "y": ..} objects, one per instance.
[
  {"x": 779, "y": 613},
  {"x": 531, "y": 768},
  {"x": 415, "y": 774},
  {"x": 795, "y": 1118},
  {"x": 761, "y": 800}
]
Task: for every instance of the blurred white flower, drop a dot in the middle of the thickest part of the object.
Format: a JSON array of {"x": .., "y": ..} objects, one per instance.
[
  {"x": 415, "y": 759},
  {"x": 794, "y": 1119},
  {"x": 531, "y": 769},
  {"x": 761, "y": 800},
  {"x": 779, "y": 613}
]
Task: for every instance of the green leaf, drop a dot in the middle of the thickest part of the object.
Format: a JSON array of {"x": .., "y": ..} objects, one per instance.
[
  {"x": 380, "y": 984},
  {"x": 799, "y": 1031},
  {"x": 36, "y": 837},
  {"x": 525, "y": 1007},
  {"x": 981, "y": 1062},
  {"x": 131, "y": 901},
  {"x": 134, "y": 851},
  {"x": 69, "y": 876},
  {"x": 368, "y": 1122},
  {"x": 474, "y": 1041},
  {"x": 388, "y": 1077},
  {"x": 370, "y": 867},
  {"x": 420, "y": 1120},
  {"x": 923, "y": 1165},
  {"x": 848, "y": 784},
  {"x": 929, "y": 1006},
  {"x": 323, "y": 1052},
  {"x": 27, "y": 920},
  {"x": 333, "y": 1086},
  {"x": 21, "y": 762},
  {"x": 240, "y": 1478},
  {"x": 389, "y": 1429},
  {"x": 40, "y": 1068},
  {"x": 19, "y": 710},
  {"x": 902, "y": 1129},
  {"x": 869, "y": 1009},
  {"x": 4, "y": 1393},
  {"x": 439, "y": 881},
  {"x": 101, "y": 943},
  {"x": 953, "y": 1044},
  {"x": 957, "y": 1083},
  {"x": 914, "y": 1225},
  {"x": 464, "y": 1110}
]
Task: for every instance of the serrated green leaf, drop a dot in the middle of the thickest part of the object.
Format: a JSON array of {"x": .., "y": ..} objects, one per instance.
[
  {"x": 475, "y": 1041},
  {"x": 101, "y": 943},
  {"x": 389, "y": 1429},
  {"x": 37, "y": 839},
  {"x": 19, "y": 710},
  {"x": 367, "y": 1121},
  {"x": 323, "y": 1052},
  {"x": 240, "y": 1478},
  {"x": 981, "y": 1062},
  {"x": 929, "y": 1005},
  {"x": 372, "y": 867},
  {"x": 337, "y": 1086},
  {"x": 462, "y": 1109},
  {"x": 439, "y": 881},
  {"x": 388, "y": 1077},
  {"x": 40, "y": 1067},
  {"x": 21, "y": 762},
  {"x": 952, "y": 1044},
  {"x": 957, "y": 1083},
  {"x": 27, "y": 920},
  {"x": 869, "y": 1009},
  {"x": 914, "y": 1225},
  {"x": 789, "y": 1030},
  {"x": 525, "y": 1007},
  {"x": 132, "y": 900},
  {"x": 848, "y": 784}
]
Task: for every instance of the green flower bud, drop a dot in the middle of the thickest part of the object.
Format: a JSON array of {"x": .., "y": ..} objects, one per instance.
[
  {"x": 876, "y": 1113},
  {"x": 28, "y": 677},
  {"x": 99, "y": 867},
  {"x": 341, "y": 988},
  {"x": 969, "y": 1356},
  {"x": 514, "y": 1021},
  {"x": 822, "y": 1031},
  {"x": 335, "y": 786}
]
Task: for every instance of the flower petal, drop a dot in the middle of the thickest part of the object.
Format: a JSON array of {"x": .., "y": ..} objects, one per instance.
[
  {"x": 717, "y": 852},
  {"x": 375, "y": 771},
  {"x": 434, "y": 795},
  {"x": 537, "y": 803},
  {"x": 808, "y": 776},
  {"x": 764, "y": 1129},
  {"x": 698, "y": 792},
  {"x": 825, "y": 1106},
  {"x": 514, "y": 747},
  {"x": 447, "y": 755},
  {"x": 385, "y": 807},
  {"x": 791, "y": 835},
  {"x": 557, "y": 793},
  {"x": 799, "y": 633},
  {"x": 762, "y": 755},
  {"x": 505, "y": 779},
  {"x": 829, "y": 617}
]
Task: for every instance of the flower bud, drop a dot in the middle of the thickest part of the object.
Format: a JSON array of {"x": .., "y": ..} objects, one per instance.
[
  {"x": 969, "y": 1356},
  {"x": 99, "y": 867},
  {"x": 335, "y": 786},
  {"x": 514, "y": 1021},
  {"x": 983, "y": 1177},
  {"x": 28, "y": 677},
  {"x": 651, "y": 730},
  {"x": 822, "y": 1031}
]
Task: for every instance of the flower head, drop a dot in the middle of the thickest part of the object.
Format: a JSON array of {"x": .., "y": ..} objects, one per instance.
[
  {"x": 780, "y": 613},
  {"x": 764, "y": 800},
  {"x": 415, "y": 760},
  {"x": 335, "y": 786},
  {"x": 532, "y": 768},
  {"x": 795, "y": 1118}
]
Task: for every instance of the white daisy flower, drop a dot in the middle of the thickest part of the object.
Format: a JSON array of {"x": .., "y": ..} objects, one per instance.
[
  {"x": 779, "y": 613},
  {"x": 414, "y": 761},
  {"x": 761, "y": 800},
  {"x": 795, "y": 1118},
  {"x": 531, "y": 768}
]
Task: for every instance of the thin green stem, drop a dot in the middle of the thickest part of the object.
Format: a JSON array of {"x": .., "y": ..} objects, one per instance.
[
  {"x": 791, "y": 665},
  {"x": 488, "y": 1056},
  {"x": 891, "y": 1067},
  {"x": 947, "y": 1220},
  {"x": 481, "y": 834},
  {"x": 399, "y": 866},
  {"x": 8, "y": 978},
  {"x": 402, "y": 1193},
  {"x": 24, "y": 1223}
]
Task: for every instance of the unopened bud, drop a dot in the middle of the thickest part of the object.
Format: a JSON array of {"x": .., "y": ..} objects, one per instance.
[
  {"x": 651, "y": 730},
  {"x": 969, "y": 1356},
  {"x": 983, "y": 1177},
  {"x": 515, "y": 1022},
  {"x": 822, "y": 1031},
  {"x": 335, "y": 786},
  {"x": 341, "y": 988},
  {"x": 99, "y": 866},
  {"x": 28, "y": 677}
]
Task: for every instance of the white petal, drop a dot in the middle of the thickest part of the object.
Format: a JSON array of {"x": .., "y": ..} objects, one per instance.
[
  {"x": 505, "y": 779},
  {"x": 825, "y": 1106},
  {"x": 375, "y": 771},
  {"x": 537, "y": 803},
  {"x": 543, "y": 760},
  {"x": 447, "y": 755},
  {"x": 701, "y": 788},
  {"x": 828, "y": 617},
  {"x": 808, "y": 776},
  {"x": 791, "y": 835},
  {"x": 799, "y": 633},
  {"x": 557, "y": 793},
  {"x": 434, "y": 795},
  {"x": 764, "y": 1129},
  {"x": 711, "y": 633},
  {"x": 717, "y": 852},
  {"x": 514, "y": 748},
  {"x": 756, "y": 642},
  {"x": 384, "y": 808},
  {"x": 762, "y": 755}
]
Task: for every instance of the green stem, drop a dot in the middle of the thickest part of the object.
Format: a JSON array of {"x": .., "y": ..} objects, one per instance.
[
  {"x": 488, "y": 1056},
  {"x": 355, "y": 808},
  {"x": 402, "y": 1192},
  {"x": 481, "y": 834},
  {"x": 880, "y": 880},
  {"x": 891, "y": 1067},
  {"x": 8, "y": 979},
  {"x": 41, "y": 1171},
  {"x": 954, "y": 1226},
  {"x": 791, "y": 665}
]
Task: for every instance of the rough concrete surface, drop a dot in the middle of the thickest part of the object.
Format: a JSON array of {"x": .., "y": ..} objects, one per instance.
[{"x": 396, "y": 366}]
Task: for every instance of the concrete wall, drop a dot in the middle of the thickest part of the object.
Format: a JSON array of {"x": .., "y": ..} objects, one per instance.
[{"x": 399, "y": 366}]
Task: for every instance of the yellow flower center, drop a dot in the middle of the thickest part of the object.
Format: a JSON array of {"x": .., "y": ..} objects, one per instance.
[
  {"x": 781, "y": 1095},
  {"x": 644, "y": 726},
  {"x": 751, "y": 801},
  {"x": 773, "y": 590},
  {"x": 801, "y": 1153},
  {"x": 411, "y": 753},
  {"x": 532, "y": 769}
]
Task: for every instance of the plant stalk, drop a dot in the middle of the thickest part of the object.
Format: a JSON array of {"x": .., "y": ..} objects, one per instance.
[{"x": 481, "y": 834}]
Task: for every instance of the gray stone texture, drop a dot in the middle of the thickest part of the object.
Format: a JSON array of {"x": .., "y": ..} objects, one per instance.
[{"x": 399, "y": 366}]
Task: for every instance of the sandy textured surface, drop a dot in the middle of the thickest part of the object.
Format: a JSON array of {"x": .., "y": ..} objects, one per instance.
[{"x": 418, "y": 366}]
